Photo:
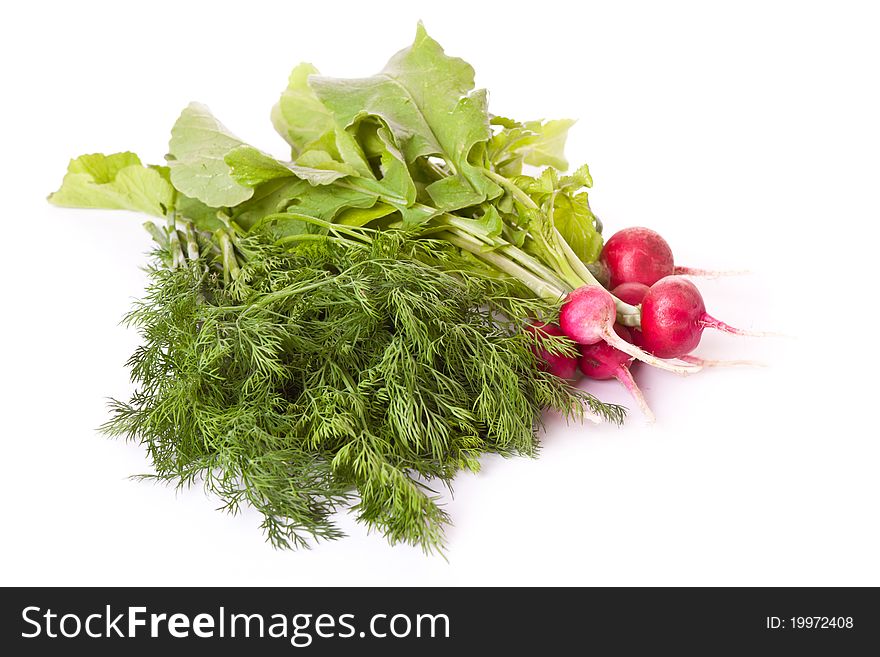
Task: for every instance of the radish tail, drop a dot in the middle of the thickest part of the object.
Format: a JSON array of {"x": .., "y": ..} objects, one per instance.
[
  {"x": 703, "y": 362},
  {"x": 616, "y": 341},
  {"x": 625, "y": 377},
  {"x": 709, "y": 273},
  {"x": 711, "y": 322}
]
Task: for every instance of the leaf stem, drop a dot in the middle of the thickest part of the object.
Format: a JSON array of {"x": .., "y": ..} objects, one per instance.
[
  {"x": 156, "y": 233},
  {"x": 312, "y": 237},
  {"x": 511, "y": 187},
  {"x": 357, "y": 233},
  {"x": 230, "y": 263},
  {"x": 177, "y": 257},
  {"x": 459, "y": 225},
  {"x": 192, "y": 245},
  {"x": 571, "y": 265},
  {"x": 537, "y": 285}
]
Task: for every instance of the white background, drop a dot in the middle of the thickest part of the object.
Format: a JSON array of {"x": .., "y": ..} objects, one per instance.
[{"x": 746, "y": 133}]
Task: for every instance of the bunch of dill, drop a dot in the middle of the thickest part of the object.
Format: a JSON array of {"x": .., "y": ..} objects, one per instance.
[{"x": 337, "y": 374}]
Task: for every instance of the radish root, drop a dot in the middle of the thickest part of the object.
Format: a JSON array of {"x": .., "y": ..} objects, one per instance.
[
  {"x": 616, "y": 341},
  {"x": 625, "y": 377},
  {"x": 710, "y": 322},
  {"x": 710, "y": 273},
  {"x": 703, "y": 362}
]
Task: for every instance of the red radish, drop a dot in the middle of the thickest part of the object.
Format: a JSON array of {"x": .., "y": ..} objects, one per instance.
[
  {"x": 631, "y": 293},
  {"x": 565, "y": 367},
  {"x": 588, "y": 316},
  {"x": 634, "y": 293},
  {"x": 637, "y": 255},
  {"x": 640, "y": 255},
  {"x": 674, "y": 316},
  {"x": 601, "y": 361}
]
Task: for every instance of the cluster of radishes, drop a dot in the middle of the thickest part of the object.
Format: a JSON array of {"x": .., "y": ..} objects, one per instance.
[{"x": 666, "y": 329}]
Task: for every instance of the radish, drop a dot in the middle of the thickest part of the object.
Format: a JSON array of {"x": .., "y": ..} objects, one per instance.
[
  {"x": 637, "y": 255},
  {"x": 565, "y": 367},
  {"x": 640, "y": 255},
  {"x": 631, "y": 293},
  {"x": 674, "y": 316},
  {"x": 588, "y": 316},
  {"x": 601, "y": 361}
]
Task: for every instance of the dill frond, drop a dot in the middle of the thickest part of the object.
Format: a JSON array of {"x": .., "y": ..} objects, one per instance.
[{"x": 337, "y": 376}]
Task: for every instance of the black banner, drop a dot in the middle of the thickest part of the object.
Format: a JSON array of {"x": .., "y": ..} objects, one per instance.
[{"x": 418, "y": 621}]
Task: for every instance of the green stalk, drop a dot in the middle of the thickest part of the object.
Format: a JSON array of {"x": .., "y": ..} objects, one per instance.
[
  {"x": 515, "y": 191},
  {"x": 537, "y": 285},
  {"x": 356, "y": 233},
  {"x": 192, "y": 246},
  {"x": 575, "y": 263},
  {"x": 560, "y": 260},
  {"x": 230, "y": 264},
  {"x": 571, "y": 257},
  {"x": 157, "y": 234},
  {"x": 311, "y": 237},
  {"x": 287, "y": 291},
  {"x": 550, "y": 273},
  {"x": 501, "y": 245},
  {"x": 627, "y": 314},
  {"x": 563, "y": 267},
  {"x": 177, "y": 257},
  {"x": 571, "y": 265},
  {"x": 535, "y": 265}
]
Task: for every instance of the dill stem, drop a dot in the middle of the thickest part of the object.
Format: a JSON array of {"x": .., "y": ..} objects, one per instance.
[
  {"x": 311, "y": 237},
  {"x": 287, "y": 291},
  {"x": 329, "y": 225}
]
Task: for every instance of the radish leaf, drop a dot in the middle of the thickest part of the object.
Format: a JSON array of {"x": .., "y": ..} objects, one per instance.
[{"x": 117, "y": 182}]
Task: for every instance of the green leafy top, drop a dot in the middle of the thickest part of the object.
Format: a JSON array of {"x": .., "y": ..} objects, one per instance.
[
  {"x": 413, "y": 146},
  {"x": 116, "y": 182},
  {"x": 538, "y": 143},
  {"x": 210, "y": 164}
]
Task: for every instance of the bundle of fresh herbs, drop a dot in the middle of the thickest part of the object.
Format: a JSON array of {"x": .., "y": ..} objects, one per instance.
[
  {"x": 336, "y": 373},
  {"x": 341, "y": 328}
]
